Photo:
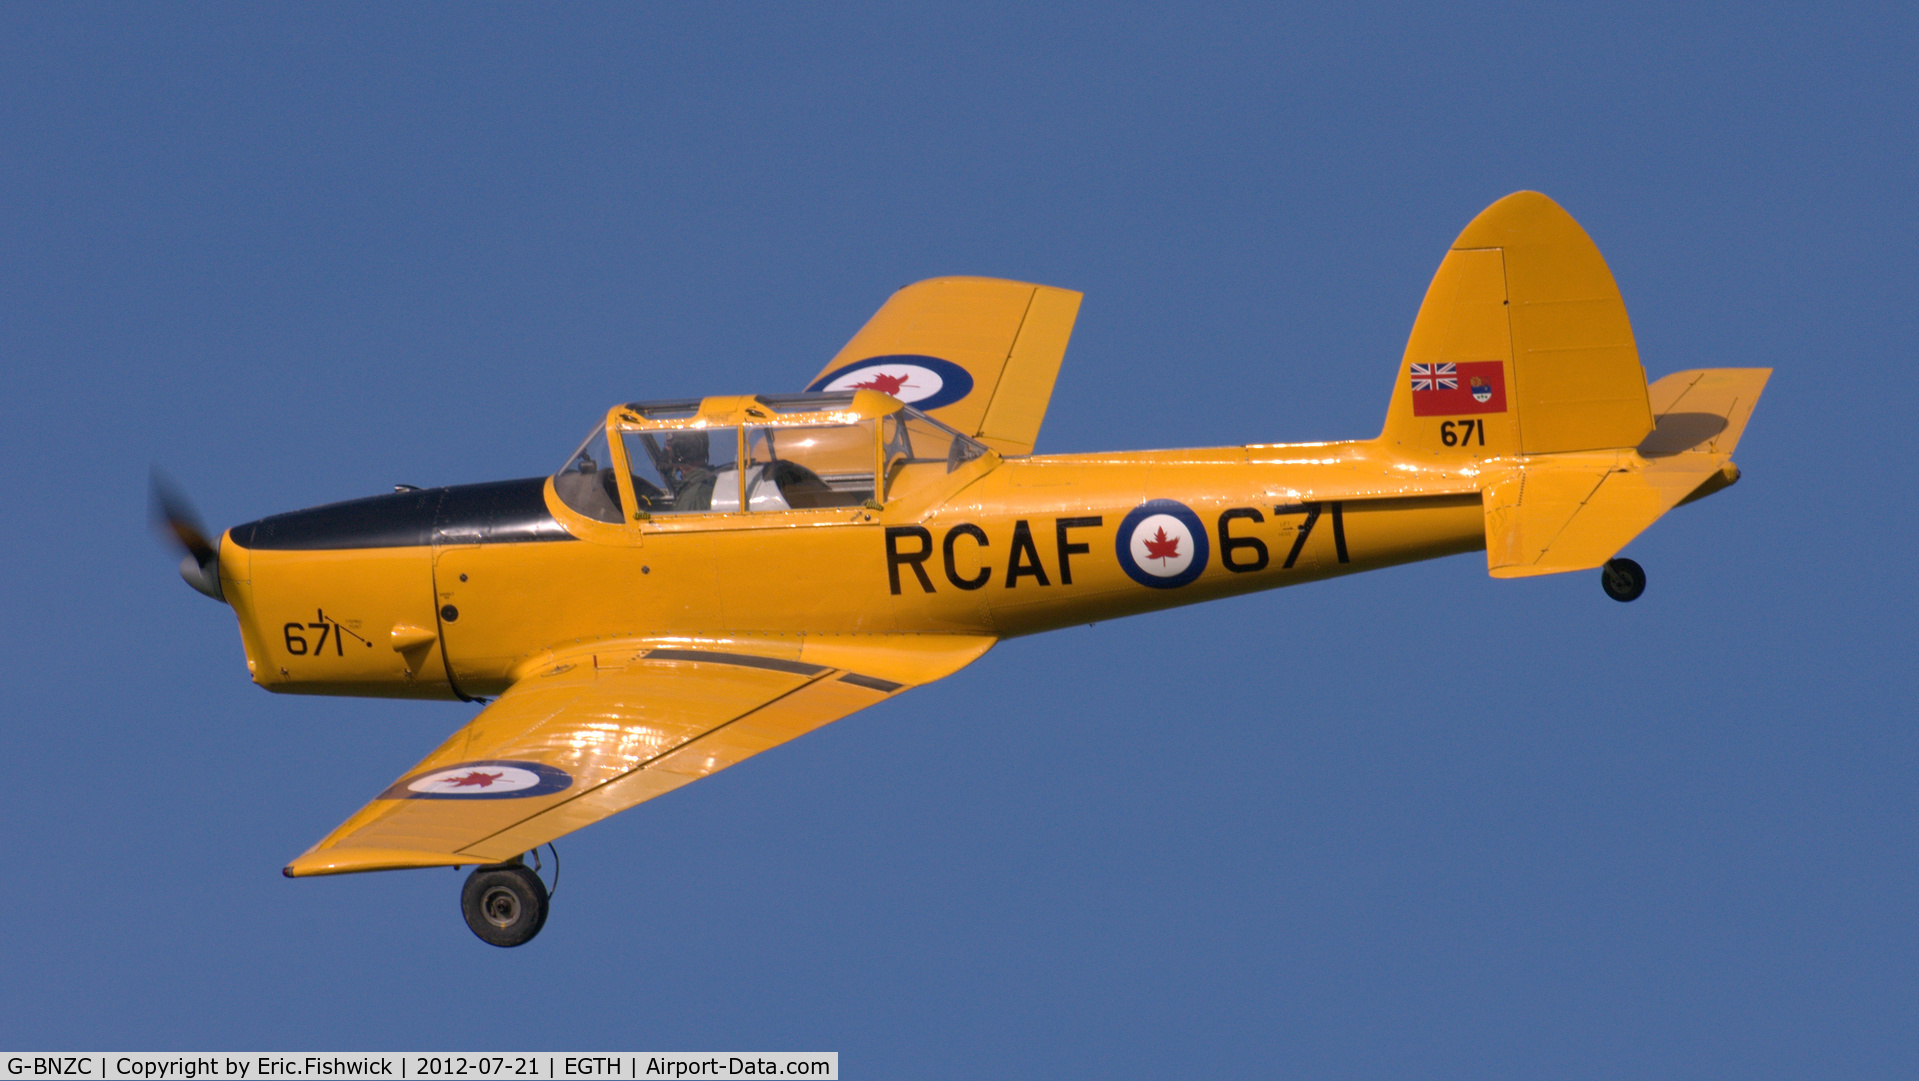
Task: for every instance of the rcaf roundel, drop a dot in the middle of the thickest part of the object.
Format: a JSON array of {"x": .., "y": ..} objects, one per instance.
[
  {"x": 1162, "y": 544},
  {"x": 922, "y": 382},
  {"x": 482, "y": 780}
]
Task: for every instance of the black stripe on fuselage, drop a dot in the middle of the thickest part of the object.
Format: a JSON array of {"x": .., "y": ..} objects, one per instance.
[{"x": 498, "y": 512}]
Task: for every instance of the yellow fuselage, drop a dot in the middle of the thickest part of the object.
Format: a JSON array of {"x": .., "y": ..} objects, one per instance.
[{"x": 998, "y": 547}]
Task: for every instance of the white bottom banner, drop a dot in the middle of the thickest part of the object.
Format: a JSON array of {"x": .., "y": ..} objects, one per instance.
[{"x": 428, "y": 1066}]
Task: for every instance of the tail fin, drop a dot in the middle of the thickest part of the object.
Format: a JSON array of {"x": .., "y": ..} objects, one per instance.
[
  {"x": 1522, "y": 358},
  {"x": 1522, "y": 346}
]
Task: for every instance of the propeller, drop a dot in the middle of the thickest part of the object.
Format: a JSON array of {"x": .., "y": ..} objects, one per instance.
[{"x": 175, "y": 518}]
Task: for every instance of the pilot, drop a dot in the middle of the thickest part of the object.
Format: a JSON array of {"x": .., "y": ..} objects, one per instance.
[{"x": 687, "y": 469}]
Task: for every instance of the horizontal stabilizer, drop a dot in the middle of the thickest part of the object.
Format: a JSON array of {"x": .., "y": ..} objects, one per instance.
[
  {"x": 1703, "y": 410},
  {"x": 1552, "y": 516},
  {"x": 1568, "y": 512}
]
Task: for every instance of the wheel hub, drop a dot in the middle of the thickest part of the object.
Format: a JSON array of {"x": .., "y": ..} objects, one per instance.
[{"x": 500, "y": 907}]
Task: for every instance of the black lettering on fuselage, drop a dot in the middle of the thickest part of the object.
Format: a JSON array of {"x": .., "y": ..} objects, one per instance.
[
  {"x": 964, "y": 529},
  {"x": 1066, "y": 550},
  {"x": 1230, "y": 546},
  {"x": 1024, "y": 559},
  {"x": 1306, "y": 528},
  {"x": 1240, "y": 554},
  {"x": 896, "y": 558}
]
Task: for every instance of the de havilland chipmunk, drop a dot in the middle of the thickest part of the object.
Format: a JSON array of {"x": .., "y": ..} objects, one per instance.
[{"x": 708, "y": 578}]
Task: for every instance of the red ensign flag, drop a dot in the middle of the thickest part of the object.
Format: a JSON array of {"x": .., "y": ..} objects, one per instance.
[{"x": 1448, "y": 390}]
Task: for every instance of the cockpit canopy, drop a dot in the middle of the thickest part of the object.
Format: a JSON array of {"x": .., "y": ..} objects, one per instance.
[{"x": 755, "y": 454}]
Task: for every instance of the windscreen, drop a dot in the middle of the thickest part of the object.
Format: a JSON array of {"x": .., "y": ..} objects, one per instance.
[
  {"x": 588, "y": 484},
  {"x": 914, "y": 437}
]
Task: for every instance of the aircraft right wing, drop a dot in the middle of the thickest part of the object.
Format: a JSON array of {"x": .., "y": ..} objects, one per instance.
[
  {"x": 591, "y": 732},
  {"x": 980, "y": 354}
]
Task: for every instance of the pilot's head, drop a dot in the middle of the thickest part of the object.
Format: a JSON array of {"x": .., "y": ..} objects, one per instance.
[{"x": 686, "y": 448}]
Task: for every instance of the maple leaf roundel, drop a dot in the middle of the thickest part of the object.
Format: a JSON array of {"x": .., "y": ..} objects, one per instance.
[
  {"x": 1162, "y": 544},
  {"x": 482, "y": 780},
  {"x": 926, "y": 383}
]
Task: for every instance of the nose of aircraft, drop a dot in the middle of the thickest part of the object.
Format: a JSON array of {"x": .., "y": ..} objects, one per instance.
[{"x": 174, "y": 516}]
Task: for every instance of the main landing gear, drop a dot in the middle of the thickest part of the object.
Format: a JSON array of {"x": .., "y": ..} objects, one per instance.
[
  {"x": 506, "y": 903},
  {"x": 1622, "y": 579}
]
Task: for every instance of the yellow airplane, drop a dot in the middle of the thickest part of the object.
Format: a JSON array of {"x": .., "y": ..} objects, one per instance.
[{"x": 709, "y": 578}]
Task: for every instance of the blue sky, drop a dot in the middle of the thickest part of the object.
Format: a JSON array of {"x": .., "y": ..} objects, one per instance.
[{"x": 1415, "y": 823}]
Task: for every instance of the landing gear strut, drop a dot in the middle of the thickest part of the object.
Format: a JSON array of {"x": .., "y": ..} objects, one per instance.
[
  {"x": 1622, "y": 579},
  {"x": 504, "y": 904}
]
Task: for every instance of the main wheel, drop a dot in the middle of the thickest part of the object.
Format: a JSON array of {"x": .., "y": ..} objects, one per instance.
[
  {"x": 1622, "y": 579},
  {"x": 505, "y": 904}
]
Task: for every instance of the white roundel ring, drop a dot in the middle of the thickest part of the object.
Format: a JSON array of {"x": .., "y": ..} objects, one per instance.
[
  {"x": 482, "y": 780},
  {"x": 923, "y": 382},
  {"x": 1162, "y": 544}
]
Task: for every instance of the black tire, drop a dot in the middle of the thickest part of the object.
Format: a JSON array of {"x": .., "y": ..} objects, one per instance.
[
  {"x": 1622, "y": 579},
  {"x": 505, "y": 905}
]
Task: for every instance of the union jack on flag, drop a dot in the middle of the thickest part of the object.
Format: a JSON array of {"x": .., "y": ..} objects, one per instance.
[{"x": 1434, "y": 377}]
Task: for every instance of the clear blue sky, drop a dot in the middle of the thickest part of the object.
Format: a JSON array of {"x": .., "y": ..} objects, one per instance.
[{"x": 1419, "y": 823}]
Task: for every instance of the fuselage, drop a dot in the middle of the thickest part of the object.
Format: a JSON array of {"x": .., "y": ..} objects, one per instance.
[{"x": 454, "y": 592}]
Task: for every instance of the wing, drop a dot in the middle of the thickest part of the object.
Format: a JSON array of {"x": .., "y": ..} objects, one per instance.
[
  {"x": 594, "y": 731},
  {"x": 980, "y": 354}
]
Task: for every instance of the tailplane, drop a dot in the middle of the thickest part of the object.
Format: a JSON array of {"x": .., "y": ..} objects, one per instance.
[{"x": 1574, "y": 511}]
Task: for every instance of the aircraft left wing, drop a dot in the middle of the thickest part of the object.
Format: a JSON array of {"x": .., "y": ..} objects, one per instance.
[
  {"x": 978, "y": 354},
  {"x": 591, "y": 732}
]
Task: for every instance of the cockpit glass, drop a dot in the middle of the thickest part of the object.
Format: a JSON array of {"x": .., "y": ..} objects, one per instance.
[
  {"x": 764, "y": 467},
  {"x": 686, "y": 471},
  {"x": 913, "y": 437},
  {"x": 588, "y": 484},
  {"x": 916, "y": 444},
  {"x": 667, "y": 410},
  {"x": 828, "y": 465}
]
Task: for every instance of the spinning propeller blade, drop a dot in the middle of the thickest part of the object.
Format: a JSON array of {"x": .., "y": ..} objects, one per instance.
[{"x": 175, "y": 518}]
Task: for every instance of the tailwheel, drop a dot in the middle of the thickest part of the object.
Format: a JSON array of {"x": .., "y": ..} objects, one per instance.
[
  {"x": 504, "y": 904},
  {"x": 1622, "y": 579}
]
